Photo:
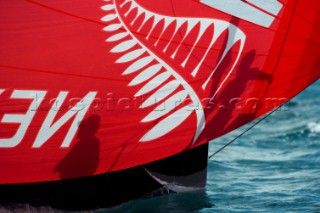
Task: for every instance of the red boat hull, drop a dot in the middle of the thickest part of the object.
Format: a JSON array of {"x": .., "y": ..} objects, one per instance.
[{"x": 86, "y": 90}]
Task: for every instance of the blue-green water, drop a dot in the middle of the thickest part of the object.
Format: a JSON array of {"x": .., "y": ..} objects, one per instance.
[{"x": 273, "y": 168}]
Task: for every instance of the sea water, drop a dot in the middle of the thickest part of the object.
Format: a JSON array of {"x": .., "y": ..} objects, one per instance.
[{"x": 275, "y": 167}]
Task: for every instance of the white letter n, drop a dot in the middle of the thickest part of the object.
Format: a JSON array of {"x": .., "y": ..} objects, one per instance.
[{"x": 49, "y": 128}]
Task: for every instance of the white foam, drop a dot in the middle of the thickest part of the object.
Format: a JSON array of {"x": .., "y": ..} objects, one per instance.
[
  {"x": 314, "y": 127},
  {"x": 175, "y": 187}
]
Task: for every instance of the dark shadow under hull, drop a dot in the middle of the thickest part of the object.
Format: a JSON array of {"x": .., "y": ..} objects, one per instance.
[{"x": 186, "y": 169}]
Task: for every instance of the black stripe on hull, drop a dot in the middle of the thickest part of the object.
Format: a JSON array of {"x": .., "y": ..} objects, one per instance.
[{"x": 110, "y": 189}]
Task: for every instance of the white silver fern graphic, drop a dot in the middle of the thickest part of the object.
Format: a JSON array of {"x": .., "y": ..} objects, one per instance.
[{"x": 151, "y": 72}]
